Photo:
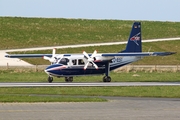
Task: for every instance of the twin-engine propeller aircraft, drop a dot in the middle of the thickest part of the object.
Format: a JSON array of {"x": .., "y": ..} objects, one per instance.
[{"x": 70, "y": 65}]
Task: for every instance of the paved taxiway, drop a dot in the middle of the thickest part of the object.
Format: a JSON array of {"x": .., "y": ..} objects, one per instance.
[
  {"x": 115, "y": 109},
  {"x": 90, "y": 84}
]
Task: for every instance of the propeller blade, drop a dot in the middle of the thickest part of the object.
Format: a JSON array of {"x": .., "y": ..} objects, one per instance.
[
  {"x": 51, "y": 59},
  {"x": 53, "y": 52},
  {"x": 86, "y": 65},
  {"x": 46, "y": 58},
  {"x": 94, "y": 54},
  {"x": 85, "y": 54},
  {"x": 95, "y": 65},
  {"x": 90, "y": 59}
]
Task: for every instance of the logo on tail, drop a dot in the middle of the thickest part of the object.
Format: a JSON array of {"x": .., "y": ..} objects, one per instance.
[{"x": 135, "y": 38}]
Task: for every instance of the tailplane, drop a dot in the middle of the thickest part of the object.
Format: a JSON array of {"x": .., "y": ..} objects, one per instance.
[{"x": 134, "y": 41}]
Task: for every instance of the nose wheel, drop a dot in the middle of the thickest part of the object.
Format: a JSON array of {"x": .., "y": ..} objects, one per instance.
[{"x": 50, "y": 79}]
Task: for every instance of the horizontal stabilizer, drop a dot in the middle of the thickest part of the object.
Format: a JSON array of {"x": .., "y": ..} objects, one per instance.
[
  {"x": 142, "y": 54},
  {"x": 163, "y": 53}
]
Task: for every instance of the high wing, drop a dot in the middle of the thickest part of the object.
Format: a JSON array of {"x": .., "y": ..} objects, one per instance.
[
  {"x": 103, "y": 54},
  {"x": 27, "y": 55},
  {"x": 138, "y": 54}
]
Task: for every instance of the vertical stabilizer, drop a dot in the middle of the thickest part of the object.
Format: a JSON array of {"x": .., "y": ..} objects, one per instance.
[{"x": 134, "y": 41}]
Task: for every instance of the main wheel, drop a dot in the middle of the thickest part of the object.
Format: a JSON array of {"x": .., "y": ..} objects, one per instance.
[
  {"x": 68, "y": 79},
  {"x": 106, "y": 79},
  {"x": 50, "y": 79}
]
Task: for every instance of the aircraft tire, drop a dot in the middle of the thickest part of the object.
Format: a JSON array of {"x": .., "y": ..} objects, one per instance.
[
  {"x": 50, "y": 79},
  {"x": 106, "y": 79},
  {"x": 68, "y": 79}
]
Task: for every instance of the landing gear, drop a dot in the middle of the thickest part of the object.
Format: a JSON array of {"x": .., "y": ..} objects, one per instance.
[
  {"x": 68, "y": 79},
  {"x": 50, "y": 79},
  {"x": 106, "y": 79}
]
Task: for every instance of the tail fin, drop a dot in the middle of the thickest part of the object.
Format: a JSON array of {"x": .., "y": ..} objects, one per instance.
[{"x": 134, "y": 41}]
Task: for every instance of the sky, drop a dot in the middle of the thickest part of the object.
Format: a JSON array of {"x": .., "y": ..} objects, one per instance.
[{"x": 151, "y": 10}]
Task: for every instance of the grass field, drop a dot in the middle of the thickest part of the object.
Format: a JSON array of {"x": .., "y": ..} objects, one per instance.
[
  {"x": 123, "y": 76},
  {"x": 19, "y": 32},
  {"x": 83, "y": 94}
]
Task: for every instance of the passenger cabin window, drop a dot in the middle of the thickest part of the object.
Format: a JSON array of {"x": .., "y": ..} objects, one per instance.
[
  {"x": 64, "y": 61},
  {"x": 80, "y": 62},
  {"x": 74, "y": 62}
]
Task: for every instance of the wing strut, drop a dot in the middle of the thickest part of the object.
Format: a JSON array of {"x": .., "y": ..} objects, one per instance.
[{"x": 107, "y": 67}]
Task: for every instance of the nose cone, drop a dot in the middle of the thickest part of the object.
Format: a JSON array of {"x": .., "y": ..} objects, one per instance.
[{"x": 54, "y": 69}]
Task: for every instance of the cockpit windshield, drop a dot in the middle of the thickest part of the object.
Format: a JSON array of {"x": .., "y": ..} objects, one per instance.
[{"x": 63, "y": 61}]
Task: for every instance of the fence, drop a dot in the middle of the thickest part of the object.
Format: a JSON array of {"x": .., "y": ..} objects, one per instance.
[{"x": 172, "y": 68}]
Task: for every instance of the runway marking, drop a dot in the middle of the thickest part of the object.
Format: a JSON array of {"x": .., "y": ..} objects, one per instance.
[{"x": 125, "y": 84}]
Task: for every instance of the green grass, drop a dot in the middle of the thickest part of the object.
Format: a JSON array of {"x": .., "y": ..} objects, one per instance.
[
  {"x": 45, "y": 98},
  {"x": 83, "y": 94},
  {"x": 132, "y": 76},
  {"x": 17, "y": 32}
]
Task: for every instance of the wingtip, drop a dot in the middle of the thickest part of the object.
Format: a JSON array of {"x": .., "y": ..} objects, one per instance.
[
  {"x": 7, "y": 56},
  {"x": 170, "y": 53},
  {"x": 173, "y": 52}
]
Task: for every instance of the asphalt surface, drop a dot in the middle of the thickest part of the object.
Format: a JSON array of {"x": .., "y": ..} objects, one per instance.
[
  {"x": 115, "y": 109},
  {"x": 74, "y": 84}
]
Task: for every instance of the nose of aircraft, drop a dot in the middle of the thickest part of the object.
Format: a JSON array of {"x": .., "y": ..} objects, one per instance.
[{"x": 54, "y": 69}]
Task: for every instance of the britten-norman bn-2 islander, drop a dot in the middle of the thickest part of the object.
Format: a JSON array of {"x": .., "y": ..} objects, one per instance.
[{"x": 70, "y": 65}]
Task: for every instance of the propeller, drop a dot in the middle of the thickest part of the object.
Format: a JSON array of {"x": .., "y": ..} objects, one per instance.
[
  {"x": 90, "y": 59},
  {"x": 51, "y": 59}
]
